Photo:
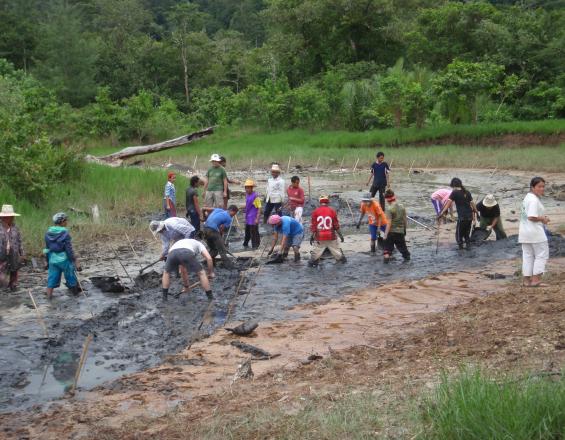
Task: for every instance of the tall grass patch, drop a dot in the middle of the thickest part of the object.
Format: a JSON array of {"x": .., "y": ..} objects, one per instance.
[{"x": 475, "y": 405}]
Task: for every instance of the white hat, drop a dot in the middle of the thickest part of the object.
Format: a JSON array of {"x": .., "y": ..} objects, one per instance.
[
  {"x": 157, "y": 226},
  {"x": 276, "y": 167},
  {"x": 489, "y": 201},
  {"x": 215, "y": 158},
  {"x": 8, "y": 211}
]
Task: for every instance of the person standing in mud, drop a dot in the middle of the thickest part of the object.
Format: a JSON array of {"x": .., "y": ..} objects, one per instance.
[
  {"x": 275, "y": 192},
  {"x": 325, "y": 230},
  {"x": 489, "y": 212},
  {"x": 292, "y": 235},
  {"x": 532, "y": 235},
  {"x": 170, "y": 197},
  {"x": 193, "y": 211},
  {"x": 223, "y": 162},
  {"x": 380, "y": 171},
  {"x": 215, "y": 227},
  {"x": 377, "y": 221},
  {"x": 295, "y": 198},
  {"x": 60, "y": 256},
  {"x": 11, "y": 248},
  {"x": 171, "y": 230},
  {"x": 252, "y": 215},
  {"x": 216, "y": 186},
  {"x": 183, "y": 256},
  {"x": 395, "y": 232},
  {"x": 466, "y": 212}
]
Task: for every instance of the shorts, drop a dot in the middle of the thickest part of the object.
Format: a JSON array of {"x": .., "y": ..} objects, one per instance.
[
  {"x": 295, "y": 240},
  {"x": 214, "y": 199},
  {"x": 373, "y": 231},
  {"x": 182, "y": 257},
  {"x": 61, "y": 268}
]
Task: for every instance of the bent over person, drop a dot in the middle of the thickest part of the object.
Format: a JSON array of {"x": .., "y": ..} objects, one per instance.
[
  {"x": 325, "y": 229},
  {"x": 171, "y": 230},
  {"x": 216, "y": 225},
  {"x": 489, "y": 211},
  {"x": 183, "y": 255}
]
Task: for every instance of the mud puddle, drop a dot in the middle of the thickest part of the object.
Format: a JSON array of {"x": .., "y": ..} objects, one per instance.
[{"x": 135, "y": 330}]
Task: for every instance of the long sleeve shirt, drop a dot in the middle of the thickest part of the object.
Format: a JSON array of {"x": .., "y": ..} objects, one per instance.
[{"x": 275, "y": 190}]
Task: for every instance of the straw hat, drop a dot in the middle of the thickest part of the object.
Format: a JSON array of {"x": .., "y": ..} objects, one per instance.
[
  {"x": 489, "y": 201},
  {"x": 249, "y": 182},
  {"x": 215, "y": 158},
  {"x": 276, "y": 167},
  {"x": 8, "y": 211}
]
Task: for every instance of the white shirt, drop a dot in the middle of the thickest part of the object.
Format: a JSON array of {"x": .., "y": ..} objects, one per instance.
[
  {"x": 176, "y": 228},
  {"x": 531, "y": 232},
  {"x": 275, "y": 190},
  {"x": 190, "y": 244}
]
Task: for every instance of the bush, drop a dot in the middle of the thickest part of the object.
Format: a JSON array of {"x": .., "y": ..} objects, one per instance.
[{"x": 476, "y": 406}]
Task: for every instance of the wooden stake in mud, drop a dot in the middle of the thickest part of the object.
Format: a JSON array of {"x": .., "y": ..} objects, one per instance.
[
  {"x": 251, "y": 165},
  {"x": 355, "y": 167},
  {"x": 437, "y": 241},
  {"x": 410, "y": 170},
  {"x": 194, "y": 165},
  {"x": 81, "y": 363},
  {"x": 350, "y": 210},
  {"x": 309, "y": 189},
  {"x": 39, "y": 317},
  {"x": 133, "y": 249},
  {"x": 83, "y": 292},
  {"x": 318, "y": 162},
  {"x": 288, "y": 165},
  {"x": 427, "y": 166},
  {"x": 121, "y": 264}
]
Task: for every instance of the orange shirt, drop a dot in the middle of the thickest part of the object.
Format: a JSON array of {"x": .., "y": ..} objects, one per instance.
[{"x": 374, "y": 211}]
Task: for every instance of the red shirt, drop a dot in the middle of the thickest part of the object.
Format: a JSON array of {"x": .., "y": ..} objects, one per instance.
[
  {"x": 324, "y": 223},
  {"x": 297, "y": 193}
]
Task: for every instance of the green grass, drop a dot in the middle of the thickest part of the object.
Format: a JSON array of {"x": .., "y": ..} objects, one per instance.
[
  {"x": 125, "y": 197},
  {"x": 332, "y": 148},
  {"x": 477, "y": 406}
]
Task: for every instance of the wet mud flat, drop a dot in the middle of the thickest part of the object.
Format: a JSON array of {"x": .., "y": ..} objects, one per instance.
[{"x": 135, "y": 329}]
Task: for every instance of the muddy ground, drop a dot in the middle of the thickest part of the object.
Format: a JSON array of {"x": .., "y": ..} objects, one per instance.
[{"x": 135, "y": 330}]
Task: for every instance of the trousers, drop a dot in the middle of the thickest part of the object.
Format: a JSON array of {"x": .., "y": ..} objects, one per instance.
[
  {"x": 534, "y": 258},
  {"x": 498, "y": 229},
  {"x": 320, "y": 246},
  {"x": 380, "y": 188},
  {"x": 252, "y": 233},
  {"x": 463, "y": 231},
  {"x": 399, "y": 240}
]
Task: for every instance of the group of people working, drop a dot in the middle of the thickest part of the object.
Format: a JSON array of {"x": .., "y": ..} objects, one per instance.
[{"x": 282, "y": 209}]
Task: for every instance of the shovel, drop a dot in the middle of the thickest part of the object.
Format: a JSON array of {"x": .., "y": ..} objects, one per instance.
[{"x": 148, "y": 266}]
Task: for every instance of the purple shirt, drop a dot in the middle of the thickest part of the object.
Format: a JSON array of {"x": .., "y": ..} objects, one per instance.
[{"x": 252, "y": 206}]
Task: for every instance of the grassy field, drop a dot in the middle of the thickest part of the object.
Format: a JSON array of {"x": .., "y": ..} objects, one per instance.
[{"x": 333, "y": 148}]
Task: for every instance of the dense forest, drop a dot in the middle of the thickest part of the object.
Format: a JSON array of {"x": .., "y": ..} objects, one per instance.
[{"x": 148, "y": 69}]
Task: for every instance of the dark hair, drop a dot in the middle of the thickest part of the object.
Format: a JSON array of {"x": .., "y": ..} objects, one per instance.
[
  {"x": 233, "y": 208},
  {"x": 456, "y": 183},
  {"x": 223, "y": 159},
  {"x": 380, "y": 154},
  {"x": 295, "y": 179},
  {"x": 535, "y": 181},
  {"x": 389, "y": 193},
  {"x": 194, "y": 181}
]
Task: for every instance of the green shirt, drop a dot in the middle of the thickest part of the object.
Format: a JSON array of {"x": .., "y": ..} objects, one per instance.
[
  {"x": 216, "y": 178},
  {"x": 397, "y": 216}
]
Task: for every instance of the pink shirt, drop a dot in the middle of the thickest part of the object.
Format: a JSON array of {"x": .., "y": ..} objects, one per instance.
[{"x": 442, "y": 194}]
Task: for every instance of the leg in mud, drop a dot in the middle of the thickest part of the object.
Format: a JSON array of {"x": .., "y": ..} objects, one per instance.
[
  {"x": 255, "y": 237},
  {"x": 466, "y": 226},
  {"x": 13, "y": 283},
  {"x": 335, "y": 250},
  {"x": 318, "y": 249},
  {"x": 70, "y": 277},
  {"x": 459, "y": 237},
  {"x": 541, "y": 255},
  {"x": 216, "y": 242},
  {"x": 499, "y": 230},
  {"x": 373, "y": 232},
  {"x": 205, "y": 284},
  {"x": 296, "y": 242},
  {"x": 165, "y": 283},
  {"x": 53, "y": 278},
  {"x": 247, "y": 235},
  {"x": 400, "y": 243},
  {"x": 388, "y": 248}
]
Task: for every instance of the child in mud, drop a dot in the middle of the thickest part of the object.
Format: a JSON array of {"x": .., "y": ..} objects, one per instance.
[
  {"x": 466, "y": 212},
  {"x": 325, "y": 230},
  {"x": 193, "y": 211},
  {"x": 292, "y": 235},
  {"x": 275, "y": 192},
  {"x": 252, "y": 215},
  {"x": 380, "y": 174},
  {"x": 395, "y": 233},
  {"x": 216, "y": 186},
  {"x": 377, "y": 221},
  {"x": 295, "y": 198},
  {"x": 61, "y": 259},
  {"x": 183, "y": 255},
  {"x": 170, "y": 198}
]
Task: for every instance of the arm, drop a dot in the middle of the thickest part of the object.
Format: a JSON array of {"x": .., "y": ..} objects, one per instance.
[
  {"x": 387, "y": 174},
  {"x": 166, "y": 242},
  {"x": 209, "y": 263},
  {"x": 370, "y": 176},
  {"x": 197, "y": 206},
  {"x": 474, "y": 208},
  {"x": 445, "y": 208},
  {"x": 225, "y": 186},
  {"x": 283, "y": 242},
  {"x": 359, "y": 221},
  {"x": 543, "y": 219},
  {"x": 275, "y": 239}
]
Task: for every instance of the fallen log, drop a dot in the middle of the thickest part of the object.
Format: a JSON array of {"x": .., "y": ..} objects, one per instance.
[{"x": 115, "y": 159}]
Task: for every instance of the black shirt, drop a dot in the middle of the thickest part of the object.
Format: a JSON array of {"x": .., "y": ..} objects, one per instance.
[
  {"x": 379, "y": 172},
  {"x": 488, "y": 212},
  {"x": 462, "y": 200},
  {"x": 190, "y": 193}
]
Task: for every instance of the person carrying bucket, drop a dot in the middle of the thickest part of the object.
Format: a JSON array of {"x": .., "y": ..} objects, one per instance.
[{"x": 377, "y": 221}]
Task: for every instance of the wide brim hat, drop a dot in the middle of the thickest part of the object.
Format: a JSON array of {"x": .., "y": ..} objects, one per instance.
[
  {"x": 215, "y": 158},
  {"x": 276, "y": 167},
  {"x": 249, "y": 182},
  {"x": 489, "y": 201},
  {"x": 8, "y": 211}
]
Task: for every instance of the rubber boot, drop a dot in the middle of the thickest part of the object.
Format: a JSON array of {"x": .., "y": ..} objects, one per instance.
[
  {"x": 373, "y": 247},
  {"x": 342, "y": 260},
  {"x": 165, "y": 294},
  {"x": 313, "y": 263},
  {"x": 75, "y": 290},
  {"x": 296, "y": 257}
]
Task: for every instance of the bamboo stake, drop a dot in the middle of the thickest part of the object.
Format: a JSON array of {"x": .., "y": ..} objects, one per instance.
[
  {"x": 39, "y": 317},
  {"x": 410, "y": 170},
  {"x": 428, "y": 164},
  {"x": 341, "y": 164},
  {"x": 318, "y": 163},
  {"x": 288, "y": 166},
  {"x": 309, "y": 189},
  {"x": 350, "y": 210},
  {"x": 132, "y": 248},
  {"x": 81, "y": 363},
  {"x": 84, "y": 293},
  {"x": 121, "y": 264},
  {"x": 356, "y": 163},
  {"x": 251, "y": 165},
  {"x": 194, "y": 165}
]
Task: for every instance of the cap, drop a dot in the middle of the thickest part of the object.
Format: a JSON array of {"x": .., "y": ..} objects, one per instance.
[
  {"x": 157, "y": 226},
  {"x": 59, "y": 218},
  {"x": 274, "y": 219},
  {"x": 324, "y": 198},
  {"x": 215, "y": 158}
]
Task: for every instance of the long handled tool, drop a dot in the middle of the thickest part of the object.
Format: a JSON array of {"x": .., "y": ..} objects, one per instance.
[
  {"x": 121, "y": 264},
  {"x": 39, "y": 317},
  {"x": 83, "y": 292},
  {"x": 143, "y": 269},
  {"x": 437, "y": 241},
  {"x": 133, "y": 249},
  {"x": 81, "y": 363},
  {"x": 419, "y": 223}
]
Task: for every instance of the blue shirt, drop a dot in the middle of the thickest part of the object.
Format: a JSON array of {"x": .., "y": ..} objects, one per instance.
[
  {"x": 379, "y": 172},
  {"x": 218, "y": 218},
  {"x": 289, "y": 227},
  {"x": 170, "y": 192}
]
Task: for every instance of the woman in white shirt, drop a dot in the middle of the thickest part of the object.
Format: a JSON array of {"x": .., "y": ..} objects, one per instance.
[{"x": 535, "y": 249}]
